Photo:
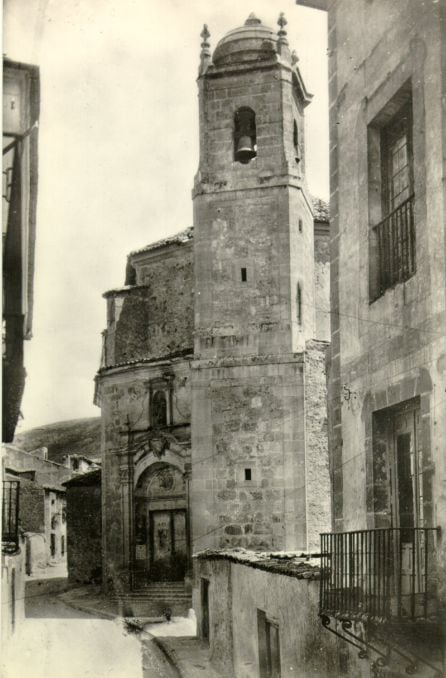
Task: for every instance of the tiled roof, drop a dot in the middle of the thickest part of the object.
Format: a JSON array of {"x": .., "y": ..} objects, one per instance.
[
  {"x": 182, "y": 353},
  {"x": 177, "y": 239},
  {"x": 291, "y": 564}
]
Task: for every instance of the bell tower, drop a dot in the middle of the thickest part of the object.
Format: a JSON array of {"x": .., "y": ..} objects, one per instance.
[{"x": 254, "y": 294}]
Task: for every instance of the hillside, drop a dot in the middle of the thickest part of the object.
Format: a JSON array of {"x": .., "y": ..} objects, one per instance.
[{"x": 75, "y": 436}]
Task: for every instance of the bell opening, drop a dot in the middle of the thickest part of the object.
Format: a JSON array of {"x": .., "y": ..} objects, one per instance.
[{"x": 244, "y": 135}]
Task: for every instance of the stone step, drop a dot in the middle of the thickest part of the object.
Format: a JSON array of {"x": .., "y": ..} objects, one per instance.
[
  {"x": 153, "y": 607},
  {"x": 151, "y": 597}
]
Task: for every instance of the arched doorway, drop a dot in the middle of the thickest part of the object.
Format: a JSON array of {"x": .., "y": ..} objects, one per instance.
[{"x": 161, "y": 539}]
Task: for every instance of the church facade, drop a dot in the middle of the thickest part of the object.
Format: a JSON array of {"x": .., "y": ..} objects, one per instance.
[{"x": 212, "y": 381}]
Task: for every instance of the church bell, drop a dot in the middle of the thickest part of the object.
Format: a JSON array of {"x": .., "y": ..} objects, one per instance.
[{"x": 245, "y": 150}]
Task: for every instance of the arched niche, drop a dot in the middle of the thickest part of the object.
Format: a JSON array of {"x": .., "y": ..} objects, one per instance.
[{"x": 150, "y": 460}]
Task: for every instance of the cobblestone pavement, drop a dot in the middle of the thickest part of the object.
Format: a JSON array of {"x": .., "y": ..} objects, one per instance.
[{"x": 57, "y": 641}]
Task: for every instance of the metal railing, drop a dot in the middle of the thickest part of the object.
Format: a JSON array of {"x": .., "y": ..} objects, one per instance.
[
  {"x": 10, "y": 512},
  {"x": 395, "y": 237},
  {"x": 379, "y": 574}
]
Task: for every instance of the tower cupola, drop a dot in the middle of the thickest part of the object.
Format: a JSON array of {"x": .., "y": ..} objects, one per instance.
[{"x": 251, "y": 42}]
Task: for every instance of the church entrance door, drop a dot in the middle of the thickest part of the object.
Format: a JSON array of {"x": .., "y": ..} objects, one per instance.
[{"x": 168, "y": 545}]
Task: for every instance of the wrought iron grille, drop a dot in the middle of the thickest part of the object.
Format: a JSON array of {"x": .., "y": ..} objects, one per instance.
[
  {"x": 10, "y": 512},
  {"x": 379, "y": 574},
  {"x": 395, "y": 236}
]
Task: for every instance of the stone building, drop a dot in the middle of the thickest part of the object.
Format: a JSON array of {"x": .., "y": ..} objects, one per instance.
[
  {"x": 212, "y": 381},
  {"x": 385, "y": 563},
  {"x": 258, "y": 381},
  {"x": 41, "y": 507},
  {"x": 21, "y": 100}
]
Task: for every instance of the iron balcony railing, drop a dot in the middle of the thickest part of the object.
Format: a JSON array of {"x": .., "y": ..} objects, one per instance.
[
  {"x": 379, "y": 574},
  {"x": 10, "y": 514},
  {"x": 395, "y": 237}
]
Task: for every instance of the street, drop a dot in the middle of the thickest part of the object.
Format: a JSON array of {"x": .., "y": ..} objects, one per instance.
[{"x": 56, "y": 641}]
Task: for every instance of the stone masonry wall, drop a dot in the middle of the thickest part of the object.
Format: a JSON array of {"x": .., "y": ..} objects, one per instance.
[
  {"x": 317, "y": 474},
  {"x": 32, "y": 507},
  {"x": 257, "y": 426},
  {"x": 84, "y": 545},
  {"x": 154, "y": 318},
  {"x": 171, "y": 315},
  {"x": 237, "y": 593},
  {"x": 322, "y": 281},
  {"x": 392, "y": 348}
]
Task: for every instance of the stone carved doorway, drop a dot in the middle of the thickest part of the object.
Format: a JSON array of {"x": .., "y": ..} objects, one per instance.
[{"x": 161, "y": 526}]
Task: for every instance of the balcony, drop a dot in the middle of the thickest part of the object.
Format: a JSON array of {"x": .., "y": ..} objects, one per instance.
[
  {"x": 10, "y": 516},
  {"x": 395, "y": 240},
  {"x": 378, "y": 575}
]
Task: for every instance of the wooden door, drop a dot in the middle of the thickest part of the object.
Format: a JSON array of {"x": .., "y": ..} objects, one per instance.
[
  {"x": 407, "y": 500},
  {"x": 168, "y": 544}
]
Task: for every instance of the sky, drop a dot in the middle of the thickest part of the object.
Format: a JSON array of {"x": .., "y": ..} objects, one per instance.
[{"x": 118, "y": 150}]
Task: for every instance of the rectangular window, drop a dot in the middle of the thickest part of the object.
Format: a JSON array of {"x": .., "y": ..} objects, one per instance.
[
  {"x": 391, "y": 195},
  {"x": 244, "y": 275},
  {"x": 396, "y": 153},
  {"x": 62, "y": 545},
  {"x": 247, "y": 474},
  {"x": 269, "y": 646}
]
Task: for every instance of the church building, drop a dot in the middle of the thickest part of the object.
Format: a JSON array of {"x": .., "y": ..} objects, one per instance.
[{"x": 212, "y": 384}]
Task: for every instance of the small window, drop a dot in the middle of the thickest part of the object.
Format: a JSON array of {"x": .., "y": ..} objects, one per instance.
[
  {"x": 245, "y": 138},
  {"x": 244, "y": 275},
  {"x": 111, "y": 311},
  {"x": 301, "y": 226},
  {"x": 62, "y": 545},
  {"x": 296, "y": 142},
  {"x": 299, "y": 304},
  {"x": 248, "y": 475}
]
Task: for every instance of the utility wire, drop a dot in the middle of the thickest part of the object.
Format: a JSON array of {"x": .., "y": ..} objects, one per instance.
[{"x": 372, "y": 322}]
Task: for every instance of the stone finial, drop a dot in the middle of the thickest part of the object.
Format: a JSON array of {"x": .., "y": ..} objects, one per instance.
[
  {"x": 282, "y": 41},
  {"x": 294, "y": 57},
  {"x": 205, "y": 35},
  {"x": 252, "y": 20},
  {"x": 282, "y": 22},
  {"x": 205, "y": 55}
]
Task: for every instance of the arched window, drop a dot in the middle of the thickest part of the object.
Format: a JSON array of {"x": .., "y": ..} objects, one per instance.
[
  {"x": 245, "y": 140},
  {"x": 159, "y": 409},
  {"x": 296, "y": 141},
  {"x": 299, "y": 304}
]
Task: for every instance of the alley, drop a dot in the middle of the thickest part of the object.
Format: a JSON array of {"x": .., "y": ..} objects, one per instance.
[{"x": 56, "y": 641}]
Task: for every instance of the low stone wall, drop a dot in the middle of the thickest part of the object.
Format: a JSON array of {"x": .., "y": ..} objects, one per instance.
[{"x": 241, "y": 588}]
